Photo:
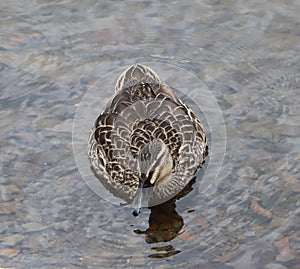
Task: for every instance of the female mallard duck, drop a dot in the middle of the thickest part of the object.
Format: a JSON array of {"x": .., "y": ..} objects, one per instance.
[{"x": 146, "y": 137}]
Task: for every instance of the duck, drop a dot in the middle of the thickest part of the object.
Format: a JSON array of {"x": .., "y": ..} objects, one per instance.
[{"x": 146, "y": 144}]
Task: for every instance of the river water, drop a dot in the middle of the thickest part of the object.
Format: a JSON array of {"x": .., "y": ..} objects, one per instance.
[{"x": 246, "y": 56}]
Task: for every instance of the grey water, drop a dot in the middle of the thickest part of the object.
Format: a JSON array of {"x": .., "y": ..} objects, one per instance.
[{"x": 245, "y": 53}]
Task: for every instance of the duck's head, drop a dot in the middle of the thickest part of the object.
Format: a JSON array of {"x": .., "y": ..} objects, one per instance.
[
  {"x": 155, "y": 166},
  {"x": 155, "y": 163}
]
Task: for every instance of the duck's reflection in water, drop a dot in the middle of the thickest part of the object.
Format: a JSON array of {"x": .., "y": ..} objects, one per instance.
[{"x": 165, "y": 224}]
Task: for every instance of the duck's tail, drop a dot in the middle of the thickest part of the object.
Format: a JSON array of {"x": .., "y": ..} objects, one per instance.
[{"x": 136, "y": 74}]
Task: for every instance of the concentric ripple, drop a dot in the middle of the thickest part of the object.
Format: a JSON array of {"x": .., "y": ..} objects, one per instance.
[{"x": 188, "y": 87}]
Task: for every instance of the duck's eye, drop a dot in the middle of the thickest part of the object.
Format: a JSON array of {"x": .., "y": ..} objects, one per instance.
[{"x": 145, "y": 156}]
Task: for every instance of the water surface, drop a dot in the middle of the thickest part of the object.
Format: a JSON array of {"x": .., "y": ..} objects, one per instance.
[{"x": 247, "y": 54}]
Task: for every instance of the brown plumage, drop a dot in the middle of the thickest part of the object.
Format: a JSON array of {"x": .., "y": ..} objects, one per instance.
[{"x": 142, "y": 113}]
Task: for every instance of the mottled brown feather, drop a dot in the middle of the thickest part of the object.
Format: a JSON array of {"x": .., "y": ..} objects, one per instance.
[{"x": 143, "y": 109}]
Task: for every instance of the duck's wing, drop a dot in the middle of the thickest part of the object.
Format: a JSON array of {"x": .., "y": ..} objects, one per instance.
[
  {"x": 199, "y": 140},
  {"x": 109, "y": 142},
  {"x": 109, "y": 158}
]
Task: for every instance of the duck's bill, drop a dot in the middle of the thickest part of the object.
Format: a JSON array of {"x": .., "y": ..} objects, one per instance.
[
  {"x": 137, "y": 202},
  {"x": 141, "y": 200}
]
